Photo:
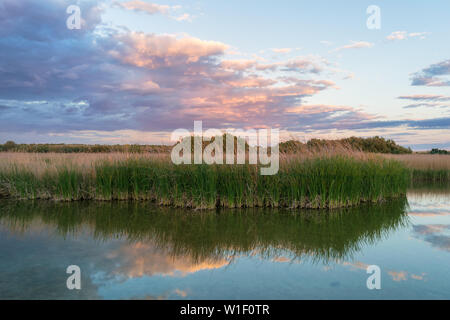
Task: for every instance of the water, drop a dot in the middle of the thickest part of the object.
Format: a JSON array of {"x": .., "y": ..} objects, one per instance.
[{"x": 138, "y": 251}]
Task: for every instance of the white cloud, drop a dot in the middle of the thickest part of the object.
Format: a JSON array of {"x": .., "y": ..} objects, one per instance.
[
  {"x": 421, "y": 35},
  {"x": 326, "y": 43},
  {"x": 403, "y": 35},
  {"x": 355, "y": 45},
  {"x": 184, "y": 17},
  {"x": 281, "y": 50}
]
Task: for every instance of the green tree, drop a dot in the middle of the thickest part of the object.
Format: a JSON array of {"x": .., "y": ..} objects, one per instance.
[{"x": 9, "y": 145}]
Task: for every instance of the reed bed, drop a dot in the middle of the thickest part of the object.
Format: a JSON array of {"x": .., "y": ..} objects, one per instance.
[
  {"x": 325, "y": 181},
  {"x": 426, "y": 168}
]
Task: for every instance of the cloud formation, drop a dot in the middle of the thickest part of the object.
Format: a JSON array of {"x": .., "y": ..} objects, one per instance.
[
  {"x": 105, "y": 80},
  {"x": 146, "y": 259},
  {"x": 436, "y": 75},
  {"x": 153, "y": 51},
  {"x": 141, "y": 6},
  {"x": 425, "y": 97},
  {"x": 281, "y": 50},
  {"x": 403, "y": 35},
  {"x": 355, "y": 45},
  {"x": 153, "y": 8},
  {"x": 436, "y": 235},
  {"x": 108, "y": 79},
  {"x": 426, "y": 100}
]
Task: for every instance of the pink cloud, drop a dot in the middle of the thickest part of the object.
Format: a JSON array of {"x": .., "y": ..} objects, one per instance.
[
  {"x": 138, "y": 5},
  {"x": 152, "y": 51},
  {"x": 238, "y": 65}
]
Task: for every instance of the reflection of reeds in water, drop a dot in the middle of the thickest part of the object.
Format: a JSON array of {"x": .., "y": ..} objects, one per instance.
[
  {"x": 326, "y": 181},
  {"x": 430, "y": 190},
  {"x": 428, "y": 201},
  {"x": 214, "y": 236}
]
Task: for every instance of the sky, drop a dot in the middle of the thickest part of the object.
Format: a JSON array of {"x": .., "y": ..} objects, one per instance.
[{"x": 137, "y": 70}]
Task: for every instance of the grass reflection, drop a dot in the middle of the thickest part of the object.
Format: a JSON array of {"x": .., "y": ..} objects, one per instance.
[{"x": 322, "y": 236}]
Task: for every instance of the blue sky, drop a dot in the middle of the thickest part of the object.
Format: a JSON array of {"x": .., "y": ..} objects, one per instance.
[{"x": 137, "y": 70}]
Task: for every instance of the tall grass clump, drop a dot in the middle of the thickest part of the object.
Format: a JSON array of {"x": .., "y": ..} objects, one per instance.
[{"x": 318, "y": 182}]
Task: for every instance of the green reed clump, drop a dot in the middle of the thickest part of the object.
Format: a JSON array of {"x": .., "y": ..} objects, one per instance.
[
  {"x": 65, "y": 183},
  {"x": 327, "y": 182}
]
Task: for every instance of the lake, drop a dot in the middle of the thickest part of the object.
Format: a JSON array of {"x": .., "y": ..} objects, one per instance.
[{"x": 136, "y": 250}]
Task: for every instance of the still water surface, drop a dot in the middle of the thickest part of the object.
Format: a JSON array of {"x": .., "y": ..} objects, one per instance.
[{"x": 139, "y": 251}]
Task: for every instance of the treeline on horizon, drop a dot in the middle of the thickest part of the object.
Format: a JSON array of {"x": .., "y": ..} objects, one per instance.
[
  {"x": 373, "y": 144},
  {"x": 11, "y": 146}
]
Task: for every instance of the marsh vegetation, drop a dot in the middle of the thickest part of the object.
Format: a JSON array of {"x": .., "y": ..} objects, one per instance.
[
  {"x": 311, "y": 182},
  {"x": 316, "y": 174}
]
